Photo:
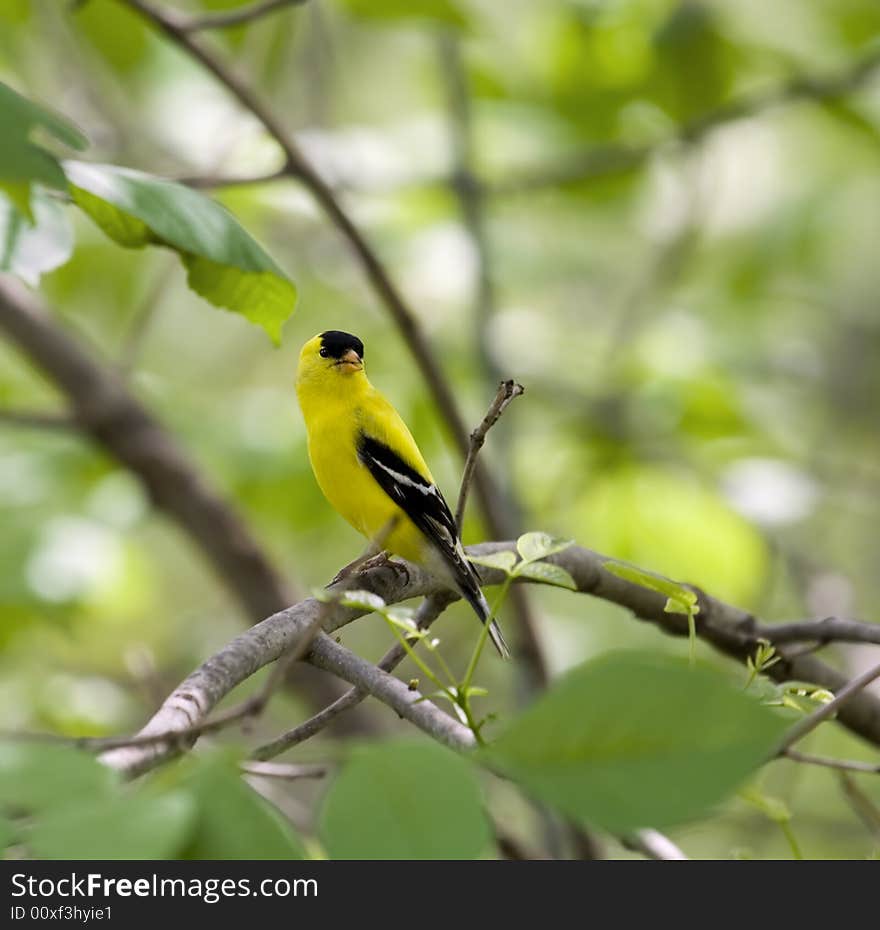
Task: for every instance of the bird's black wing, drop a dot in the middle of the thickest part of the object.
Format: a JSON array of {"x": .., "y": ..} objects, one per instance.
[
  {"x": 417, "y": 497},
  {"x": 423, "y": 503}
]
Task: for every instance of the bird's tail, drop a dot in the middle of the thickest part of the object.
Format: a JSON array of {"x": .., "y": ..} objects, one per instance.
[{"x": 469, "y": 584}]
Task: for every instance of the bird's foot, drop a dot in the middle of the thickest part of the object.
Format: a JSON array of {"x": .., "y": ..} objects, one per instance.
[
  {"x": 383, "y": 560},
  {"x": 362, "y": 565}
]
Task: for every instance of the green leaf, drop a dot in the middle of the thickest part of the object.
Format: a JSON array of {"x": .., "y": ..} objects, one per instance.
[
  {"x": 122, "y": 827},
  {"x": 362, "y": 600},
  {"x": 547, "y": 573},
  {"x": 676, "y": 592},
  {"x": 404, "y": 800},
  {"x": 225, "y": 265},
  {"x": 233, "y": 821},
  {"x": 675, "y": 605},
  {"x": 40, "y": 777},
  {"x": 28, "y": 249},
  {"x": 23, "y": 159},
  {"x": 631, "y": 740},
  {"x": 501, "y": 560},
  {"x": 534, "y": 546}
]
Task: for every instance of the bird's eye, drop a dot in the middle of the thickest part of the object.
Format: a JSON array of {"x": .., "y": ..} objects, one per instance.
[{"x": 325, "y": 352}]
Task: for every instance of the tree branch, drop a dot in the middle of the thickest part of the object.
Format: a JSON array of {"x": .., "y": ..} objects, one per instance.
[
  {"x": 843, "y": 765},
  {"x": 727, "y": 628},
  {"x": 829, "y": 629},
  {"x": 824, "y": 711},
  {"x": 209, "y": 181},
  {"x": 428, "y": 612},
  {"x": 287, "y": 772}
]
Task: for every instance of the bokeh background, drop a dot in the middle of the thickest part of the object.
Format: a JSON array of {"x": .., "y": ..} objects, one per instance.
[{"x": 690, "y": 303}]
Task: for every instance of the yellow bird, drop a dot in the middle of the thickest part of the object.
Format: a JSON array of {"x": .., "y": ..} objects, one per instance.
[{"x": 371, "y": 470}]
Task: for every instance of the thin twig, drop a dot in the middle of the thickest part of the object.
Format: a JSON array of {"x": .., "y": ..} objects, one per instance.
[
  {"x": 810, "y": 722},
  {"x": 215, "y": 181},
  {"x": 507, "y": 391},
  {"x": 844, "y": 765},
  {"x": 286, "y": 771},
  {"x": 429, "y": 610},
  {"x": 829, "y": 629},
  {"x": 238, "y": 16}
]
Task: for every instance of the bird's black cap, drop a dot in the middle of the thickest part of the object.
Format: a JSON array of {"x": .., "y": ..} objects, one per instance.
[{"x": 337, "y": 343}]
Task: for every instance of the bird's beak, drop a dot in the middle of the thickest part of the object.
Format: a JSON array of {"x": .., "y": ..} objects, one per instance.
[{"x": 351, "y": 360}]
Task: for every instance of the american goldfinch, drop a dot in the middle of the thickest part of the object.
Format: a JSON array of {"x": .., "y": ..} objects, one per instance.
[{"x": 370, "y": 469}]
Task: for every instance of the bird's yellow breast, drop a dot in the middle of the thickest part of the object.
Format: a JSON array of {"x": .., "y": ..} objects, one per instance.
[{"x": 336, "y": 414}]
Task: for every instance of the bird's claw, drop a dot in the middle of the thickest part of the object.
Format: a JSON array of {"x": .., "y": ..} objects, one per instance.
[{"x": 362, "y": 566}]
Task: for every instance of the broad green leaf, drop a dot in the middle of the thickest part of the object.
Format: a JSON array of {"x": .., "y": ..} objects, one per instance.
[
  {"x": 672, "y": 589},
  {"x": 442, "y": 11},
  {"x": 233, "y": 821},
  {"x": 21, "y": 158},
  {"x": 30, "y": 249},
  {"x": 404, "y": 800},
  {"x": 534, "y": 546},
  {"x": 548, "y": 573},
  {"x": 631, "y": 740},
  {"x": 121, "y": 827},
  {"x": 38, "y": 777},
  {"x": 501, "y": 560},
  {"x": 225, "y": 264}
]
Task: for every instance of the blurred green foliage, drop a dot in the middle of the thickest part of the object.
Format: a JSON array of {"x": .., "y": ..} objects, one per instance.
[{"x": 696, "y": 330}]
